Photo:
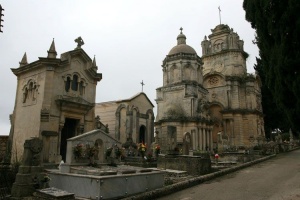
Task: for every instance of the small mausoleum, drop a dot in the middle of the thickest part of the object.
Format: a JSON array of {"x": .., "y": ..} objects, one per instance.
[{"x": 55, "y": 100}]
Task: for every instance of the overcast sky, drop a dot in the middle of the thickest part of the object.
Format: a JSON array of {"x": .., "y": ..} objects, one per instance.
[{"x": 129, "y": 38}]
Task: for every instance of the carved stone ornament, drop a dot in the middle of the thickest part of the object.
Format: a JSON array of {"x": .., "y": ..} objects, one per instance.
[
  {"x": 36, "y": 145},
  {"x": 213, "y": 80}
]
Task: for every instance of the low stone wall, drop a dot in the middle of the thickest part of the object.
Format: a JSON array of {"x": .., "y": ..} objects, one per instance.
[
  {"x": 236, "y": 157},
  {"x": 193, "y": 165},
  {"x": 192, "y": 182}
]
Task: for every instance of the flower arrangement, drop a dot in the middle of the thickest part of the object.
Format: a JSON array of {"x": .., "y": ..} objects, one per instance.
[
  {"x": 157, "y": 149},
  {"x": 149, "y": 156},
  {"x": 78, "y": 150},
  {"x": 117, "y": 152},
  {"x": 142, "y": 149},
  {"x": 115, "y": 149},
  {"x": 91, "y": 151},
  {"x": 108, "y": 152}
]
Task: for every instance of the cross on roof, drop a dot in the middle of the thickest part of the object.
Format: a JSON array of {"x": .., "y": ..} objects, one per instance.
[
  {"x": 142, "y": 83},
  {"x": 79, "y": 42},
  {"x": 219, "y": 13},
  {"x": 181, "y": 30}
]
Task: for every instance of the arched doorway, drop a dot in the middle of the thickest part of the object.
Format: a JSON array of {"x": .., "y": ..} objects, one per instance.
[
  {"x": 142, "y": 134},
  {"x": 217, "y": 119},
  {"x": 68, "y": 131}
]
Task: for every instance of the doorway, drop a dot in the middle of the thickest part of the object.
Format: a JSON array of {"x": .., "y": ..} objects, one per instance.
[
  {"x": 68, "y": 131},
  {"x": 142, "y": 135}
]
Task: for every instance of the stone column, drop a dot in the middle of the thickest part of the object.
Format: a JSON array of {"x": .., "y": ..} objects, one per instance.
[
  {"x": 194, "y": 139},
  {"x": 204, "y": 138},
  {"x": 211, "y": 139},
  {"x": 197, "y": 139},
  {"x": 224, "y": 127},
  {"x": 200, "y": 138},
  {"x": 232, "y": 139}
]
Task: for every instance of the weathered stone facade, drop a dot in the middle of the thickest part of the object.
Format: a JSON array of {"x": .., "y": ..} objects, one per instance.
[
  {"x": 234, "y": 95},
  {"x": 209, "y": 102},
  {"x": 183, "y": 119},
  {"x": 54, "y": 100},
  {"x": 126, "y": 118}
]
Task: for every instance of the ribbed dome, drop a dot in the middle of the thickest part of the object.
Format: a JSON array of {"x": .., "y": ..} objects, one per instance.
[{"x": 181, "y": 46}]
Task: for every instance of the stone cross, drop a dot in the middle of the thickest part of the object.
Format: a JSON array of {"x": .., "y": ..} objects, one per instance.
[
  {"x": 79, "y": 42},
  {"x": 219, "y": 13},
  {"x": 142, "y": 83}
]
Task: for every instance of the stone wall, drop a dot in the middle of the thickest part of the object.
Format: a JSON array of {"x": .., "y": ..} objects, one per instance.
[
  {"x": 236, "y": 157},
  {"x": 3, "y": 143},
  {"x": 193, "y": 165}
]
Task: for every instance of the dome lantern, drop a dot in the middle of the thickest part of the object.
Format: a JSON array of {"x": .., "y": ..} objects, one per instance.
[{"x": 181, "y": 46}]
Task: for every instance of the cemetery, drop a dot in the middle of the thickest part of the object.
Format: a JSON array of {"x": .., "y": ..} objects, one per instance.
[{"x": 64, "y": 145}]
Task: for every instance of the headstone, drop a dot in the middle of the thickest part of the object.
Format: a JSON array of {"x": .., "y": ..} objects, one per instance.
[{"x": 30, "y": 175}]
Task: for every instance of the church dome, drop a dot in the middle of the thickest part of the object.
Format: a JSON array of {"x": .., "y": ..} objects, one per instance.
[{"x": 181, "y": 46}]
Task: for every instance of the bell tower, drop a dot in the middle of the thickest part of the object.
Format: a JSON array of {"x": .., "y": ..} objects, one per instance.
[{"x": 223, "y": 52}]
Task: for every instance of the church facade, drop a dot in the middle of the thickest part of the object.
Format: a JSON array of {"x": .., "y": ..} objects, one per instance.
[
  {"x": 54, "y": 101},
  {"x": 209, "y": 102}
]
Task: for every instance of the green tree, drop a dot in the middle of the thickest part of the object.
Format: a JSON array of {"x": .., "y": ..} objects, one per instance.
[
  {"x": 273, "y": 116},
  {"x": 277, "y": 25}
]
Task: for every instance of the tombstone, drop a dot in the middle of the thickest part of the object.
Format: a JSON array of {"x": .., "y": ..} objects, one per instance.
[
  {"x": 30, "y": 175},
  {"x": 115, "y": 153},
  {"x": 130, "y": 147}
]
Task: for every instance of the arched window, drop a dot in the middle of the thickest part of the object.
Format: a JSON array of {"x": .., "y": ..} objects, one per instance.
[
  {"x": 75, "y": 83},
  {"x": 30, "y": 90},
  {"x": 81, "y": 88},
  {"x": 68, "y": 83},
  {"x": 25, "y": 95}
]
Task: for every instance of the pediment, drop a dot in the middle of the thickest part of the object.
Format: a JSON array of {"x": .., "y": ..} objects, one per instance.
[
  {"x": 73, "y": 104},
  {"x": 79, "y": 53}
]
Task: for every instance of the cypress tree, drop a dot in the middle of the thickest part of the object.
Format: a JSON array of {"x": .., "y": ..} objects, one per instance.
[{"x": 277, "y": 25}]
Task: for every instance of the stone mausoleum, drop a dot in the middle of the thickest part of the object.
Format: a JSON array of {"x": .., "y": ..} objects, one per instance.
[
  {"x": 208, "y": 102},
  {"x": 131, "y": 118},
  {"x": 55, "y": 100}
]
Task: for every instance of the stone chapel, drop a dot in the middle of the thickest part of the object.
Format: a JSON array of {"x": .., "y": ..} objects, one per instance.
[
  {"x": 208, "y": 102},
  {"x": 131, "y": 118},
  {"x": 55, "y": 100}
]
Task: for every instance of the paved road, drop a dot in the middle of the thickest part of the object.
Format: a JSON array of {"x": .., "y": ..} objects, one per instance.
[{"x": 274, "y": 179}]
